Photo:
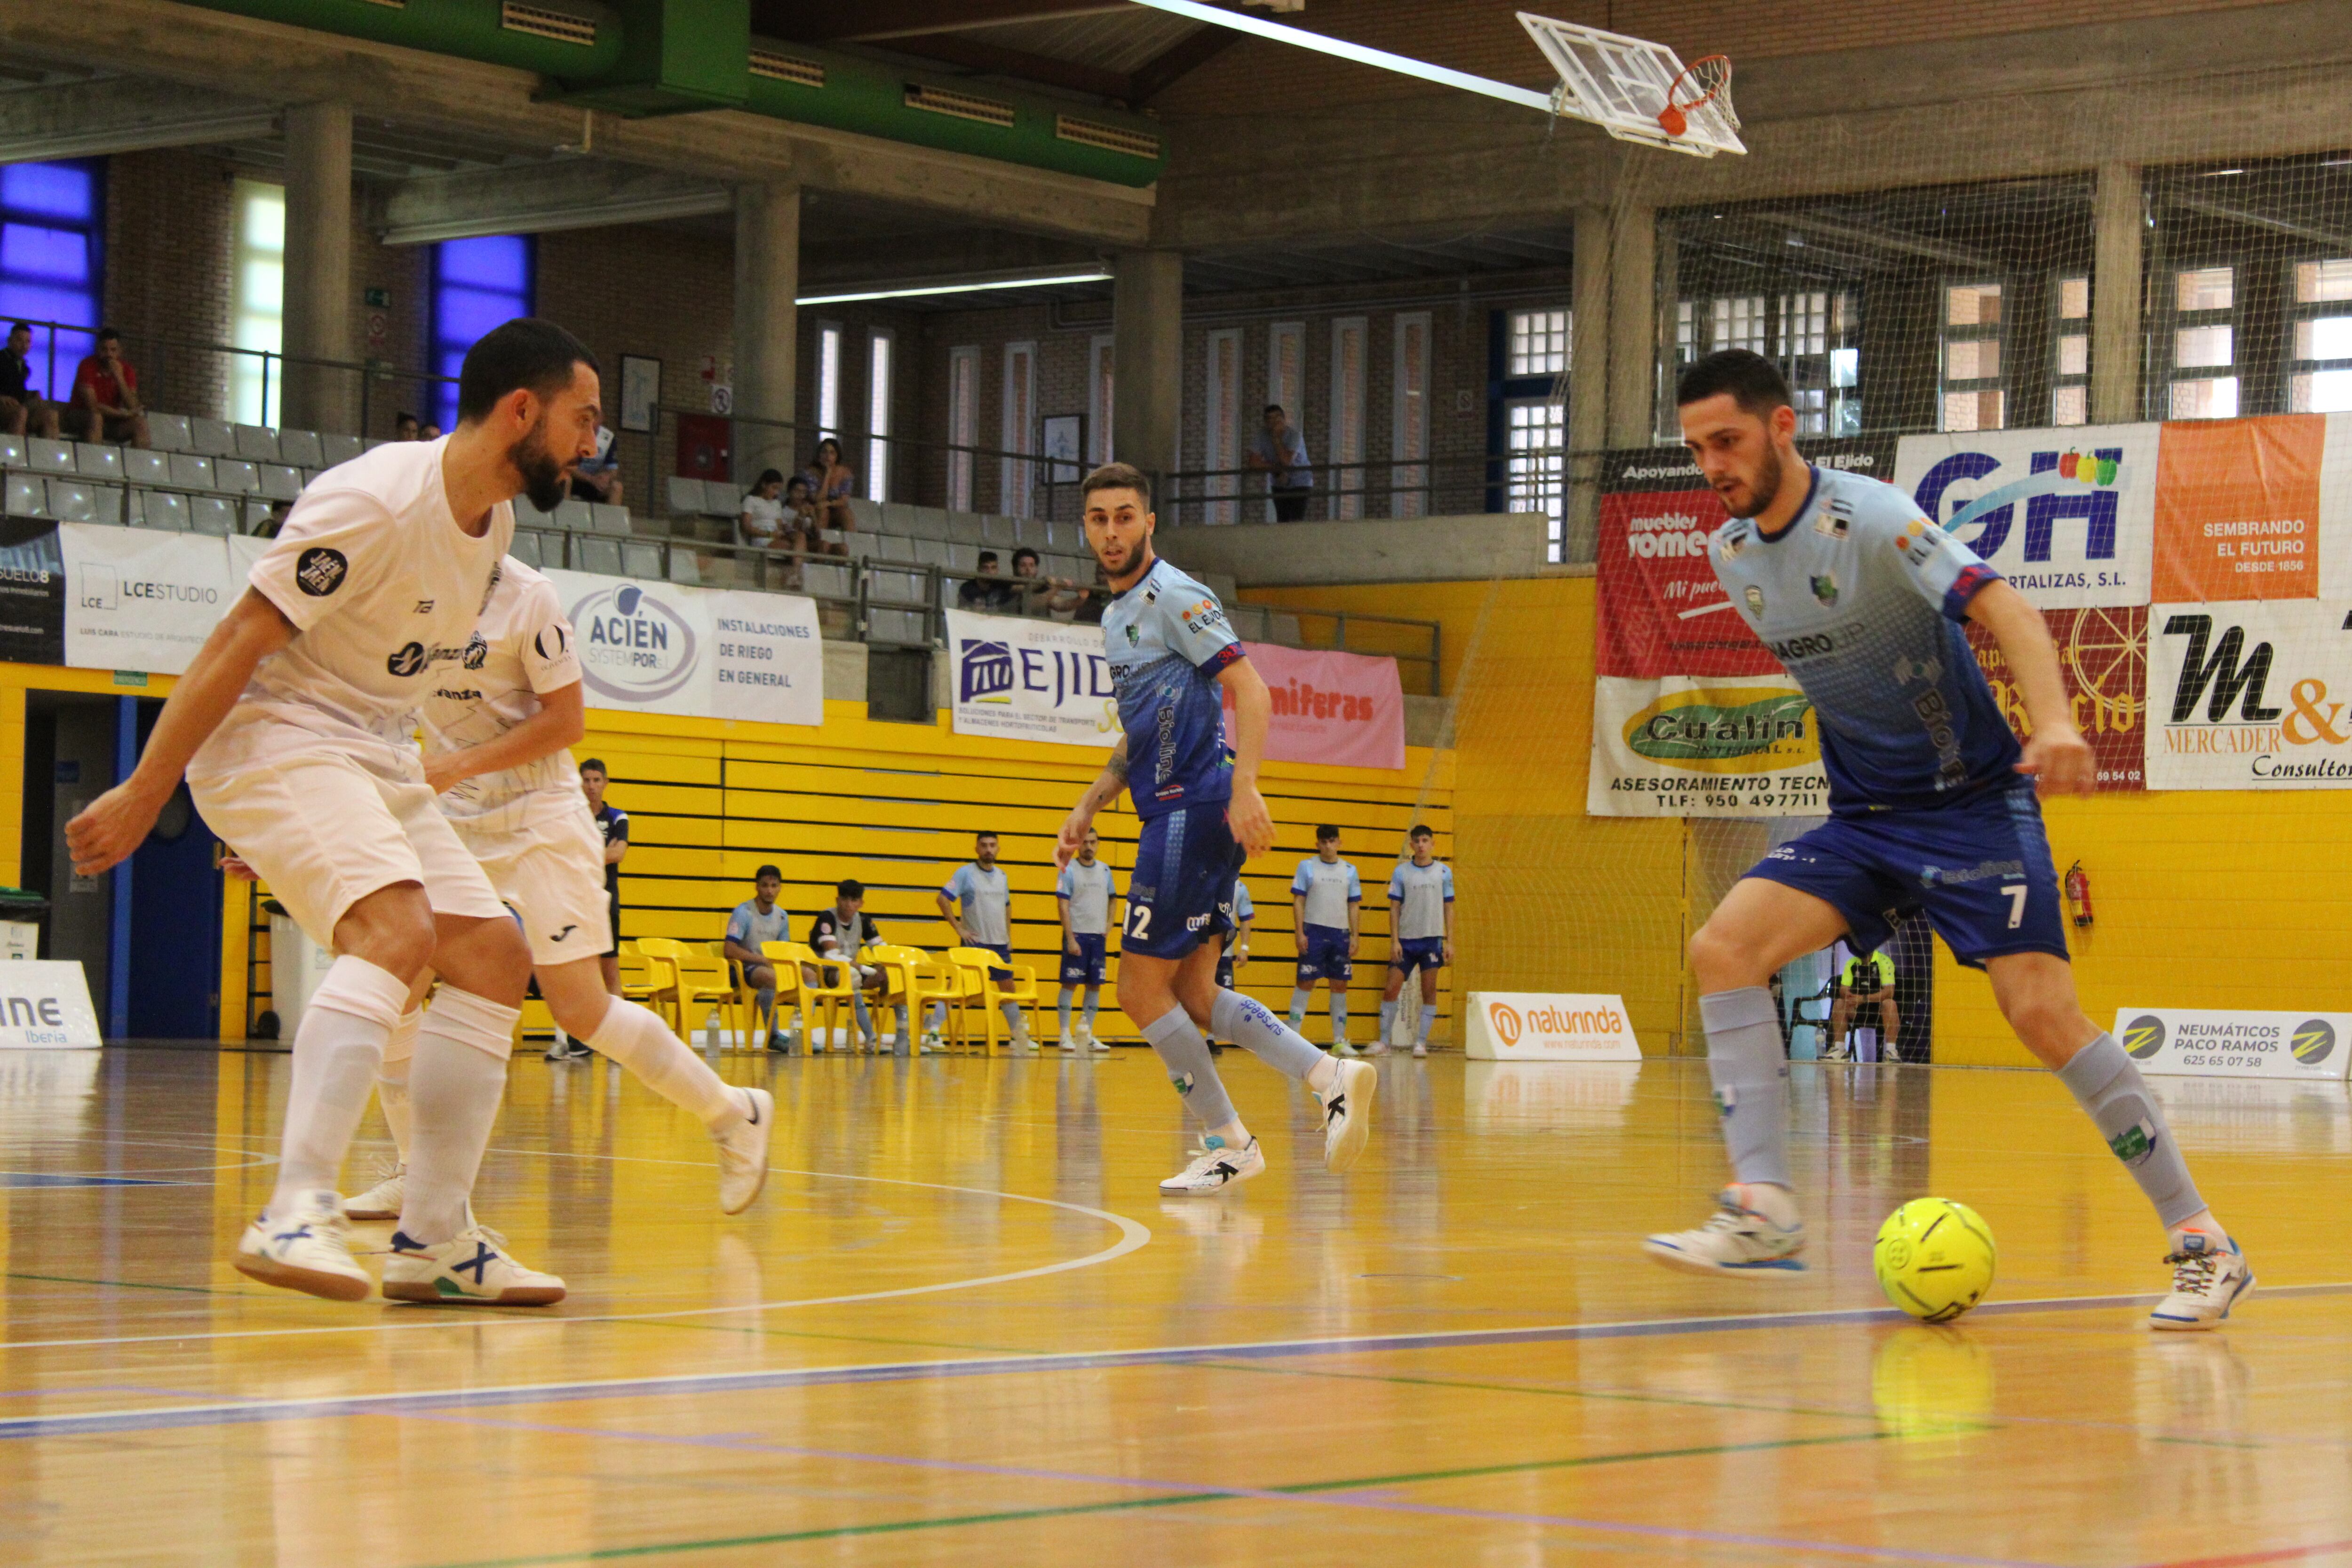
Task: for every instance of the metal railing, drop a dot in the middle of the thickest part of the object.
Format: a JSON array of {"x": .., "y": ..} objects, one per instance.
[{"x": 1535, "y": 478}]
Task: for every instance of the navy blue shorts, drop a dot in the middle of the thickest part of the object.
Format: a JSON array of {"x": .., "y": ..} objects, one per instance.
[
  {"x": 1418, "y": 952},
  {"x": 1002, "y": 950},
  {"x": 1181, "y": 890},
  {"x": 1323, "y": 955},
  {"x": 1084, "y": 967},
  {"x": 1980, "y": 868},
  {"x": 1226, "y": 972}
]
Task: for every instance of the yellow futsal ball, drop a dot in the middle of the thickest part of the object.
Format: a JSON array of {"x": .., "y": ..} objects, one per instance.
[{"x": 1934, "y": 1258}]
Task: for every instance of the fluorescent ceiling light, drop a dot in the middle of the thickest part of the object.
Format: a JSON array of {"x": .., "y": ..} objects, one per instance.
[
  {"x": 975, "y": 284},
  {"x": 1404, "y": 65}
]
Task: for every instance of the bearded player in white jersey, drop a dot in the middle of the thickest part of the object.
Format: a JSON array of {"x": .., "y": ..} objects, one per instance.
[
  {"x": 295, "y": 725},
  {"x": 497, "y": 734}
]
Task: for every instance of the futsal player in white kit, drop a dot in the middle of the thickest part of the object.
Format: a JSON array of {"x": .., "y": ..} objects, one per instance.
[
  {"x": 295, "y": 727},
  {"x": 497, "y": 739}
]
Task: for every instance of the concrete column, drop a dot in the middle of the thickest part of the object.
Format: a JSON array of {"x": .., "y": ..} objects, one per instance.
[
  {"x": 1147, "y": 325},
  {"x": 318, "y": 298},
  {"x": 1633, "y": 327},
  {"x": 2119, "y": 229},
  {"x": 767, "y": 327},
  {"x": 1588, "y": 381}
]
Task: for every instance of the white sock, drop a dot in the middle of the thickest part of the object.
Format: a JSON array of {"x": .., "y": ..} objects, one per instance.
[
  {"x": 392, "y": 1078},
  {"x": 638, "y": 1039},
  {"x": 337, "y": 1047},
  {"x": 456, "y": 1085},
  {"x": 1388, "y": 1022}
]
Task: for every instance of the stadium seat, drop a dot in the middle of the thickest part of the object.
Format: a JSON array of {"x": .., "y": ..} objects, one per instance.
[
  {"x": 684, "y": 567},
  {"x": 336, "y": 448},
  {"x": 701, "y": 987},
  {"x": 912, "y": 979},
  {"x": 301, "y": 450},
  {"x": 965, "y": 528},
  {"x": 574, "y": 516},
  {"x": 836, "y": 987},
  {"x": 28, "y": 496},
  {"x": 69, "y": 500},
  {"x": 106, "y": 504},
  {"x": 50, "y": 456},
  {"x": 927, "y": 523},
  {"x": 1021, "y": 990},
  {"x": 893, "y": 547},
  {"x": 931, "y": 551},
  {"x": 1002, "y": 533},
  {"x": 211, "y": 437},
  {"x": 279, "y": 482},
  {"x": 684, "y": 495},
  {"x": 605, "y": 518},
  {"x": 234, "y": 475},
  {"x": 640, "y": 558},
  {"x": 212, "y": 514},
  {"x": 599, "y": 555},
  {"x": 867, "y": 513},
  {"x": 191, "y": 473},
  {"x": 160, "y": 509},
  {"x": 142, "y": 467},
  {"x": 828, "y": 579},
  {"x": 255, "y": 512},
  {"x": 256, "y": 443},
  {"x": 525, "y": 547},
  {"x": 530, "y": 516},
  {"x": 12, "y": 451},
  {"x": 93, "y": 461},
  {"x": 963, "y": 560},
  {"x": 170, "y": 433},
  {"x": 642, "y": 980},
  {"x": 859, "y": 545}
]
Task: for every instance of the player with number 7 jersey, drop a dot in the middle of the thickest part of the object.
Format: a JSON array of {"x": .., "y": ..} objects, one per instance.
[{"x": 1174, "y": 660}]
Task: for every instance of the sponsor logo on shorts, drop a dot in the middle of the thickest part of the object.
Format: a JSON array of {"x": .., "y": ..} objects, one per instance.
[
  {"x": 2143, "y": 1037},
  {"x": 1960, "y": 876},
  {"x": 321, "y": 571}
]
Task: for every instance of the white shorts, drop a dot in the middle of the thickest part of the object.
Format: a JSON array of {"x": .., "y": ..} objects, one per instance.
[
  {"x": 553, "y": 875},
  {"x": 325, "y": 831}
]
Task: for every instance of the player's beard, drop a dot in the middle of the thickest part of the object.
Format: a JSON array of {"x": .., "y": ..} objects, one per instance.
[
  {"x": 544, "y": 480},
  {"x": 1766, "y": 488}
]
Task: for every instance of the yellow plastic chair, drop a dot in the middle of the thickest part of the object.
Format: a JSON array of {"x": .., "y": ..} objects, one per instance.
[
  {"x": 742, "y": 1007},
  {"x": 835, "y": 987},
  {"x": 978, "y": 968},
  {"x": 911, "y": 978},
  {"x": 700, "y": 982},
  {"x": 641, "y": 983}
]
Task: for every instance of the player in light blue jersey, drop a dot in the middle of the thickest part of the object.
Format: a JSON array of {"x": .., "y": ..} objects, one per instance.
[
  {"x": 1420, "y": 931},
  {"x": 1086, "y": 891},
  {"x": 1933, "y": 808},
  {"x": 1173, "y": 661},
  {"x": 1327, "y": 913}
]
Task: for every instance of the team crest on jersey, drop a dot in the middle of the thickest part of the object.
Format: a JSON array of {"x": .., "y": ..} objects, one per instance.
[
  {"x": 1133, "y": 636},
  {"x": 321, "y": 571},
  {"x": 1833, "y": 523},
  {"x": 1754, "y": 600},
  {"x": 477, "y": 651},
  {"x": 1825, "y": 588}
]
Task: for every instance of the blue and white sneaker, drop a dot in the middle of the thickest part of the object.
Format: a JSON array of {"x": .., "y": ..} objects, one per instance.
[
  {"x": 1216, "y": 1168},
  {"x": 2208, "y": 1278},
  {"x": 471, "y": 1268},
  {"x": 1737, "y": 1240},
  {"x": 307, "y": 1249}
]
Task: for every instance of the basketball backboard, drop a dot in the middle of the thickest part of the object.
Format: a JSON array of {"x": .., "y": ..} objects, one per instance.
[{"x": 1623, "y": 84}]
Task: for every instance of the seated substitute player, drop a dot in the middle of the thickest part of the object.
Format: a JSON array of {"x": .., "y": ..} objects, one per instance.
[
  {"x": 977, "y": 904},
  {"x": 755, "y": 923},
  {"x": 295, "y": 724},
  {"x": 1932, "y": 806},
  {"x": 1084, "y": 891},
  {"x": 1869, "y": 979},
  {"x": 838, "y": 932},
  {"x": 1169, "y": 650},
  {"x": 1420, "y": 923},
  {"x": 1329, "y": 912},
  {"x": 496, "y": 736}
]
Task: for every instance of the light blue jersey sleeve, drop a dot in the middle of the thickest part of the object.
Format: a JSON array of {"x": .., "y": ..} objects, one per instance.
[
  {"x": 739, "y": 925},
  {"x": 1302, "y": 880},
  {"x": 1939, "y": 568},
  {"x": 1355, "y": 886},
  {"x": 1448, "y": 880},
  {"x": 1066, "y": 884},
  {"x": 959, "y": 886},
  {"x": 1190, "y": 621},
  {"x": 1243, "y": 909},
  {"x": 1396, "y": 880}
]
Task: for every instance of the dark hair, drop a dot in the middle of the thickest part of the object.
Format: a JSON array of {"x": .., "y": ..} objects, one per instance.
[
  {"x": 108, "y": 335},
  {"x": 987, "y": 559},
  {"x": 820, "y": 445},
  {"x": 1325, "y": 831},
  {"x": 20, "y": 326},
  {"x": 595, "y": 765},
  {"x": 1025, "y": 550},
  {"x": 1277, "y": 408},
  {"x": 850, "y": 888},
  {"x": 1116, "y": 477},
  {"x": 524, "y": 355},
  {"x": 1420, "y": 830},
  {"x": 799, "y": 479},
  {"x": 405, "y": 417},
  {"x": 1754, "y": 382},
  {"x": 769, "y": 477},
  {"x": 983, "y": 832},
  {"x": 764, "y": 872}
]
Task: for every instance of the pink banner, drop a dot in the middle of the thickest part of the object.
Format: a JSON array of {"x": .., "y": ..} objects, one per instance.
[{"x": 1345, "y": 708}]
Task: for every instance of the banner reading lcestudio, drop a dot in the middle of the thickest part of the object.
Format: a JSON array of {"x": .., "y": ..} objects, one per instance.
[
  {"x": 707, "y": 653},
  {"x": 1032, "y": 680}
]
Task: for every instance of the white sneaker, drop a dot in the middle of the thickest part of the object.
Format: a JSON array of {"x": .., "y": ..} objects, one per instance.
[
  {"x": 743, "y": 1152},
  {"x": 381, "y": 1201},
  {"x": 1094, "y": 1043},
  {"x": 1068, "y": 1041},
  {"x": 1348, "y": 1114},
  {"x": 933, "y": 1044},
  {"x": 308, "y": 1250},
  {"x": 1376, "y": 1048},
  {"x": 1217, "y": 1168},
  {"x": 1420, "y": 1048},
  {"x": 1342, "y": 1048},
  {"x": 471, "y": 1268},
  {"x": 2207, "y": 1281},
  {"x": 1022, "y": 1044},
  {"x": 1087, "y": 1036},
  {"x": 1737, "y": 1240}
]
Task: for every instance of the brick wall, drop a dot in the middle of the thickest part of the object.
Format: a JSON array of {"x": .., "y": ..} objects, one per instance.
[{"x": 169, "y": 238}]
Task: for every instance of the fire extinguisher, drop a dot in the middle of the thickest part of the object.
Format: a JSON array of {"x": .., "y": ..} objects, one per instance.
[{"x": 2078, "y": 894}]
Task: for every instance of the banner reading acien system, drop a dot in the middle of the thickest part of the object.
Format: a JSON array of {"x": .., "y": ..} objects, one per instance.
[{"x": 707, "y": 653}]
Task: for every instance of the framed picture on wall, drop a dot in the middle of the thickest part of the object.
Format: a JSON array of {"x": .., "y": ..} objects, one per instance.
[
  {"x": 640, "y": 390},
  {"x": 1065, "y": 445}
]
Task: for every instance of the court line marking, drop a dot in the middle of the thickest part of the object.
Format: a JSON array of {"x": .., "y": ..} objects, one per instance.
[
  {"x": 2277, "y": 1554},
  {"x": 394, "y": 1403},
  {"x": 1133, "y": 1234}
]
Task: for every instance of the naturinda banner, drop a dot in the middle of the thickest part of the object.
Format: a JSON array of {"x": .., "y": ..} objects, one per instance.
[{"x": 660, "y": 647}]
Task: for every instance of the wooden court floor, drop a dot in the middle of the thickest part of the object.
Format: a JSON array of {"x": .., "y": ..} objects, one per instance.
[{"x": 961, "y": 1327}]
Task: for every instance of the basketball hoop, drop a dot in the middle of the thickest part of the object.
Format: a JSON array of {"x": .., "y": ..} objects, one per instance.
[{"x": 1709, "y": 78}]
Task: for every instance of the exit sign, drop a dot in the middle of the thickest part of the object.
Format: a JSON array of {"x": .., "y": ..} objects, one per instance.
[{"x": 379, "y": 299}]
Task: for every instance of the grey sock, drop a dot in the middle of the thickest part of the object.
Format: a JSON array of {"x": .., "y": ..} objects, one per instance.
[
  {"x": 1186, "y": 1057},
  {"x": 1094, "y": 1000},
  {"x": 1388, "y": 1020},
  {"x": 1751, "y": 1081},
  {"x": 1248, "y": 1024},
  {"x": 1338, "y": 1017},
  {"x": 1299, "y": 997},
  {"x": 1428, "y": 1021},
  {"x": 1065, "y": 1010},
  {"x": 865, "y": 1018},
  {"x": 2104, "y": 1078}
]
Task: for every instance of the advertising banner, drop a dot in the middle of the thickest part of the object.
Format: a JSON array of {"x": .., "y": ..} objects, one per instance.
[
  {"x": 2309, "y": 1046},
  {"x": 44, "y": 1005},
  {"x": 2237, "y": 509},
  {"x": 1684, "y": 747},
  {"x": 1549, "y": 1027},
  {"x": 2103, "y": 658},
  {"x": 32, "y": 595},
  {"x": 2249, "y": 695},
  {"x": 658, "y": 648},
  {"x": 1031, "y": 680},
  {"x": 2067, "y": 516},
  {"x": 141, "y": 598},
  {"x": 1345, "y": 709}
]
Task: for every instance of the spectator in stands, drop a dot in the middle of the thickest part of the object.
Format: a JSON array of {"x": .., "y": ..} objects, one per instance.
[
  {"x": 23, "y": 411},
  {"x": 759, "y": 920},
  {"x": 837, "y": 934},
  {"x": 599, "y": 478},
  {"x": 831, "y": 481},
  {"x": 988, "y": 593},
  {"x": 106, "y": 396},
  {"x": 275, "y": 521},
  {"x": 1280, "y": 453},
  {"x": 1092, "y": 603},
  {"x": 431, "y": 432},
  {"x": 1038, "y": 594},
  {"x": 801, "y": 513},
  {"x": 405, "y": 427},
  {"x": 977, "y": 904},
  {"x": 760, "y": 521}
]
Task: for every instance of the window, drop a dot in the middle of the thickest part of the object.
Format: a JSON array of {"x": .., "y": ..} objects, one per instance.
[
  {"x": 1536, "y": 463},
  {"x": 478, "y": 284},
  {"x": 2070, "y": 354},
  {"x": 1285, "y": 381},
  {"x": 964, "y": 424},
  {"x": 1811, "y": 333},
  {"x": 880, "y": 350},
  {"x": 1221, "y": 434},
  {"x": 1020, "y": 427},
  {"x": 1538, "y": 343},
  {"x": 1529, "y": 355},
  {"x": 2204, "y": 348},
  {"x": 1348, "y": 337},
  {"x": 828, "y": 380},
  {"x": 1100, "y": 389},
  {"x": 1409, "y": 428},
  {"x": 52, "y": 243},
  {"x": 2319, "y": 381},
  {"x": 260, "y": 306},
  {"x": 1973, "y": 394}
]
